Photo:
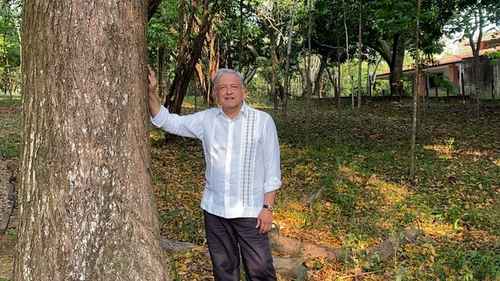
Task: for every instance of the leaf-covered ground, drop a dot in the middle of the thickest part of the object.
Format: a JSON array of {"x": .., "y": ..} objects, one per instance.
[{"x": 346, "y": 185}]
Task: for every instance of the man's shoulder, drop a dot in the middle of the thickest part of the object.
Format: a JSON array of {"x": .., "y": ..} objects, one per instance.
[{"x": 261, "y": 113}]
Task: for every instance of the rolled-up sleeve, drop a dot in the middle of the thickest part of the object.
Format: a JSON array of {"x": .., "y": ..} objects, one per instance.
[
  {"x": 272, "y": 171},
  {"x": 190, "y": 125}
]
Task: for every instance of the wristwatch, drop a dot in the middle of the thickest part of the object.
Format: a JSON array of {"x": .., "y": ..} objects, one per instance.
[{"x": 269, "y": 207}]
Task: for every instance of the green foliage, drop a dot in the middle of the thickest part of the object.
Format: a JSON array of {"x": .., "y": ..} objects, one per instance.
[
  {"x": 382, "y": 22},
  {"x": 493, "y": 55},
  {"x": 10, "y": 57},
  {"x": 471, "y": 264},
  {"x": 163, "y": 28}
]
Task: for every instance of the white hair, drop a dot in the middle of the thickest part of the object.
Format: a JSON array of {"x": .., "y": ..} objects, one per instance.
[{"x": 223, "y": 71}]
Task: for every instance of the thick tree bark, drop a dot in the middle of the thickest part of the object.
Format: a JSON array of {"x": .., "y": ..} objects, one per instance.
[{"x": 86, "y": 205}]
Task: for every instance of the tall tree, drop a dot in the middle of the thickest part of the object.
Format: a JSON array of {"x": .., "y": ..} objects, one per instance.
[
  {"x": 344, "y": 17},
  {"x": 416, "y": 91},
  {"x": 360, "y": 51},
  {"x": 195, "y": 19},
  {"x": 469, "y": 21},
  {"x": 86, "y": 206},
  {"x": 288, "y": 57},
  {"x": 387, "y": 28},
  {"x": 276, "y": 19},
  {"x": 162, "y": 41}
]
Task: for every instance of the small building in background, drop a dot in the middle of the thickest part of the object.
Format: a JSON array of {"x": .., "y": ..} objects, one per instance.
[{"x": 454, "y": 74}]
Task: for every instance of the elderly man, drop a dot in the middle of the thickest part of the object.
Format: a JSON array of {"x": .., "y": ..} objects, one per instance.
[{"x": 242, "y": 175}]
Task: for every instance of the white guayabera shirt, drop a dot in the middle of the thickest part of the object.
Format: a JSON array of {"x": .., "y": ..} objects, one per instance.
[{"x": 242, "y": 157}]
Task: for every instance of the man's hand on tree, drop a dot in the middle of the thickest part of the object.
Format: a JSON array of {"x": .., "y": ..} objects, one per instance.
[{"x": 154, "y": 100}]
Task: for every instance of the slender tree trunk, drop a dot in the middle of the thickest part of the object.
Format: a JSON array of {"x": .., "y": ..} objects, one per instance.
[
  {"x": 309, "y": 54},
  {"x": 415, "y": 99},
  {"x": 240, "y": 55},
  {"x": 213, "y": 64},
  {"x": 287, "y": 64},
  {"x": 161, "y": 61},
  {"x": 425, "y": 96},
  {"x": 274, "y": 72},
  {"x": 86, "y": 206},
  {"x": 333, "y": 81},
  {"x": 373, "y": 76},
  {"x": 476, "y": 49},
  {"x": 369, "y": 78},
  {"x": 318, "y": 81},
  {"x": 360, "y": 55},
  {"x": 202, "y": 81},
  {"x": 339, "y": 83},
  {"x": 347, "y": 51}
]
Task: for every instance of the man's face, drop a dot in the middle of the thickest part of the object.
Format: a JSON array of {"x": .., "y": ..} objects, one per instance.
[{"x": 229, "y": 91}]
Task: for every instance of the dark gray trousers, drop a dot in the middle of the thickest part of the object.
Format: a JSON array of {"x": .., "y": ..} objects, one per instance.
[{"x": 227, "y": 238}]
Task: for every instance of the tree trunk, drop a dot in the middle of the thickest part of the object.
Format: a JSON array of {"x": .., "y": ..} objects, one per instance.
[
  {"x": 318, "y": 81},
  {"x": 360, "y": 55},
  {"x": 86, "y": 208},
  {"x": 339, "y": 83},
  {"x": 368, "y": 80},
  {"x": 287, "y": 64},
  {"x": 335, "y": 87},
  {"x": 188, "y": 57},
  {"x": 477, "y": 65},
  {"x": 207, "y": 68},
  {"x": 347, "y": 51},
  {"x": 396, "y": 67},
  {"x": 373, "y": 76},
  {"x": 274, "y": 72},
  {"x": 161, "y": 61},
  {"x": 416, "y": 90},
  {"x": 308, "y": 59}
]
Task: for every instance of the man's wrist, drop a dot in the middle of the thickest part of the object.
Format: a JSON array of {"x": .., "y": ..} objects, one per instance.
[{"x": 268, "y": 207}]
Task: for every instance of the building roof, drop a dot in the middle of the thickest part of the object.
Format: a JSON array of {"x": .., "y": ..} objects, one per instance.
[
  {"x": 489, "y": 43},
  {"x": 448, "y": 59}
]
